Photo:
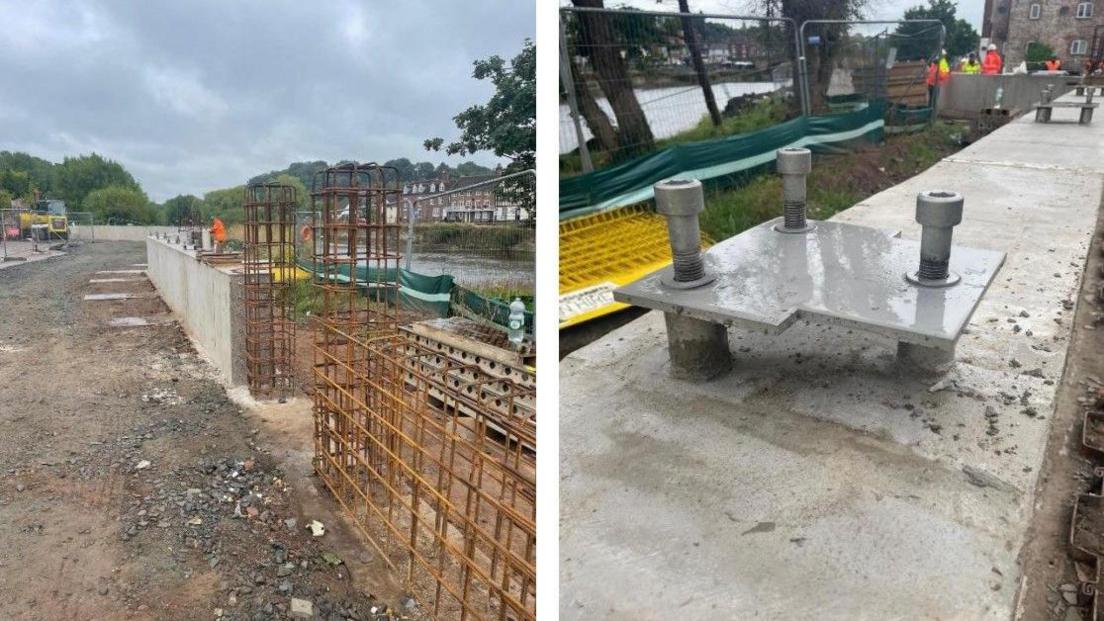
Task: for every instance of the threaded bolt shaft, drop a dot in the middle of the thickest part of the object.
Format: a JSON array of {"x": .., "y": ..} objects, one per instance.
[
  {"x": 681, "y": 200},
  {"x": 937, "y": 212},
  {"x": 794, "y": 164}
]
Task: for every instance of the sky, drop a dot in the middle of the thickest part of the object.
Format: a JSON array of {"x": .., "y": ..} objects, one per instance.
[{"x": 200, "y": 95}]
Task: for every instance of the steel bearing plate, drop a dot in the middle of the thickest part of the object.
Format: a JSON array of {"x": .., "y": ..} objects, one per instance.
[{"x": 843, "y": 273}]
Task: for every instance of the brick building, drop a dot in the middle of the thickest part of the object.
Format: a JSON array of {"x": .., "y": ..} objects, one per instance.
[
  {"x": 429, "y": 210},
  {"x": 482, "y": 204},
  {"x": 1067, "y": 26}
]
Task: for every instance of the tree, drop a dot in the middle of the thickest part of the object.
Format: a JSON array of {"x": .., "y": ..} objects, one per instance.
[
  {"x": 302, "y": 195},
  {"x": 596, "y": 34},
  {"x": 76, "y": 177},
  {"x": 690, "y": 34},
  {"x": 182, "y": 209},
  {"x": 1038, "y": 52},
  {"x": 918, "y": 40},
  {"x": 225, "y": 203},
  {"x": 119, "y": 204},
  {"x": 507, "y": 124},
  {"x": 5, "y": 199}
]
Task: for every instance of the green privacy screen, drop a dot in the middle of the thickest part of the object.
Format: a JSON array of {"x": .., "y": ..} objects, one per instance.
[
  {"x": 720, "y": 159},
  {"x": 430, "y": 296}
]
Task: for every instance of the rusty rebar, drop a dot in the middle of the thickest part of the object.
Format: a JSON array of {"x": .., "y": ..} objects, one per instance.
[{"x": 268, "y": 253}]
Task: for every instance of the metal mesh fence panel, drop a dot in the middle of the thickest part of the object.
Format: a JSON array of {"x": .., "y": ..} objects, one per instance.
[
  {"x": 633, "y": 81},
  {"x": 850, "y": 63},
  {"x": 480, "y": 233},
  {"x": 269, "y": 264}
]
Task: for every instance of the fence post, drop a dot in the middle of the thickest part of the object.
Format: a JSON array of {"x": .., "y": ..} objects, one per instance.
[{"x": 569, "y": 87}]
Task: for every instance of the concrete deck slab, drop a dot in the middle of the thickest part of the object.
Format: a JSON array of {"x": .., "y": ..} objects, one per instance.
[
  {"x": 121, "y": 272},
  {"x": 101, "y": 297},
  {"x": 818, "y": 480},
  {"x": 135, "y": 322},
  {"x": 105, "y": 280}
]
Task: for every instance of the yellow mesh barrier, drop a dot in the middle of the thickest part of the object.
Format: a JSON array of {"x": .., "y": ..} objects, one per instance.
[{"x": 601, "y": 252}]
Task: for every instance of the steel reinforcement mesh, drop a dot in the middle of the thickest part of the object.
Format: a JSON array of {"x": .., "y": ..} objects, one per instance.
[
  {"x": 419, "y": 448},
  {"x": 268, "y": 252}
]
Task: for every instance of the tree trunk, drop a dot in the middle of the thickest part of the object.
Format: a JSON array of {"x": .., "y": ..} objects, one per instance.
[
  {"x": 596, "y": 120},
  {"x": 691, "y": 35},
  {"x": 595, "y": 38}
]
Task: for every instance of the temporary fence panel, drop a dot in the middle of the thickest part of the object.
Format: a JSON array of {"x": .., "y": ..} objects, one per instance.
[
  {"x": 481, "y": 234},
  {"x": 848, "y": 63},
  {"x": 634, "y": 81},
  {"x": 81, "y": 226}
]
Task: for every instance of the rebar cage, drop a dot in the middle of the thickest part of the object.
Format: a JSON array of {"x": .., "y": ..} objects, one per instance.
[
  {"x": 269, "y": 263},
  {"x": 433, "y": 456}
]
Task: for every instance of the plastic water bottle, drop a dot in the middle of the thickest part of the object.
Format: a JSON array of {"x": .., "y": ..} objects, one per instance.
[
  {"x": 517, "y": 321},
  {"x": 1000, "y": 95}
]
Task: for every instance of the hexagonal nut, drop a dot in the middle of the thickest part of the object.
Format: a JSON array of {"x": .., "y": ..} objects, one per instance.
[
  {"x": 679, "y": 197},
  {"x": 794, "y": 161},
  {"x": 939, "y": 208}
]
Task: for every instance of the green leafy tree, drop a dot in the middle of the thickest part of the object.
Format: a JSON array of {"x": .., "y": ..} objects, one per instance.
[
  {"x": 76, "y": 177},
  {"x": 180, "y": 209},
  {"x": 918, "y": 41},
  {"x": 5, "y": 199},
  {"x": 40, "y": 172},
  {"x": 302, "y": 195},
  {"x": 507, "y": 124},
  {"x": 118, "y": 204},
  {"x": 1038, "y": 52},
  {"x": 225, "y": 203}
]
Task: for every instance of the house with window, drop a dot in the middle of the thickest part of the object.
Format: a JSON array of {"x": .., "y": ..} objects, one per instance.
[
  {"x": 427, "y": 209},
  {"x": 482, "y": 204},
  {"x": 1066, "y": 26}
]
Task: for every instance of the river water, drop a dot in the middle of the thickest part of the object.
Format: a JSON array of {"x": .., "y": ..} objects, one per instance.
[
  {"x": 669, "y": 110},
  {"x": 475, "y": 270}
]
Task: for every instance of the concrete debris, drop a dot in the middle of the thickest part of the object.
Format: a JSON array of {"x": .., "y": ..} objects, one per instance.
[
  {"x": 301, "y": 608},
  {"x": 317, "y": 528}
]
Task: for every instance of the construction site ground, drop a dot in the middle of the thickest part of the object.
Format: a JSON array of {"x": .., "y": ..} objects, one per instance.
[
  {"x": 820, "y": 479},
  {"x": 133, "y": 487}
]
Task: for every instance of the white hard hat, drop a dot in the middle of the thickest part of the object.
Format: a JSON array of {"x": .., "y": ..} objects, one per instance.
[{"x": 992, "y": 47}]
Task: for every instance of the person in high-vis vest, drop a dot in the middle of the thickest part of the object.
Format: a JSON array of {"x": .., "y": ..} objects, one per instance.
[
  {"x": 218, "y": 233},
  {"x": 1053, "y": 64},
  {"x": 993, "y": 62},
  {"x": 939, "y": 72},
  {"x": 971, "y": 65}
]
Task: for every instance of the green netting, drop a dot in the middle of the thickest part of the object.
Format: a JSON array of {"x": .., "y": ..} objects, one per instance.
[
  {"x": 631, "y": 181},
  {"x": 470, "y": 304},
  {"x": 436, "y": 296}
]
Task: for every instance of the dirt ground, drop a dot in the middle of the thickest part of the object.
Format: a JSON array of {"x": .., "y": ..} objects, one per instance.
[
  {"x": 133, "y": 487},
  {"x": 1052, "y": 572}
]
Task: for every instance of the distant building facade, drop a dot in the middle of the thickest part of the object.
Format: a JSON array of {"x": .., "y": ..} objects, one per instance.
[
  {"x": 428, "y": 209},
  {"x": 482, "y": 205},
  {"x": 1066, "y": 26}
]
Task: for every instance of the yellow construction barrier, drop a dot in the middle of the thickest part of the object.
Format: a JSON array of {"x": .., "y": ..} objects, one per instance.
[{"x": 601, "y": 252}]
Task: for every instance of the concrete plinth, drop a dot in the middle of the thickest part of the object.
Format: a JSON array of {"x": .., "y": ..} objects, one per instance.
[
  {"x": 698, "y": 349},
  {"x": 922, "y": 359},
  {"x": 207, "y": 300},
  {"x": 816, "y": 480}
]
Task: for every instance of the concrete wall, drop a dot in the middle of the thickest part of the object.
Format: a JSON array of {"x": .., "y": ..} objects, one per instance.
[
  {"x": 207, "y": 300},
  {"x": 105, "y": 232},
  {"x": 964, "y": 94}
]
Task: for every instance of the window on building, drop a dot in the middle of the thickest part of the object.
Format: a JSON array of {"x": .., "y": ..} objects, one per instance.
[
  {"x": 1035, "y": 11},
  {"x": 1079, "y": 47},
  {"x": 1084, "y": 10}
]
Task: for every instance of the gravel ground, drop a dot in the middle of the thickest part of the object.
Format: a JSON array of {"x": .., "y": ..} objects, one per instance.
[{"x": 132, "y": 487}]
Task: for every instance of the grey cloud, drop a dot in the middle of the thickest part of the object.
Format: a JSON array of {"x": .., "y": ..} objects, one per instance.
[{"x": 192, "y": 96}]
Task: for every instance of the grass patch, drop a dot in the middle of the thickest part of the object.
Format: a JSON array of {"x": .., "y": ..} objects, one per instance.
[
  {"x": 493, "y": 238},
  {"x": 836, "y": 183},
  {"x": 763, "y": 113}
]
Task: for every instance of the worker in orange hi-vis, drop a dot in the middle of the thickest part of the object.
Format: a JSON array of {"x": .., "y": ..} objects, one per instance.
[
  {"x": 993, "y": 61},
  {"x": 218, "y": 233}
]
